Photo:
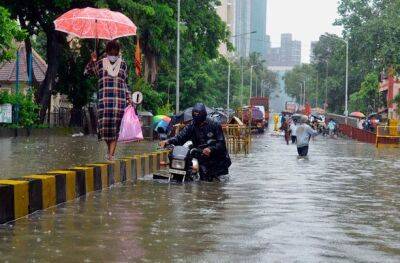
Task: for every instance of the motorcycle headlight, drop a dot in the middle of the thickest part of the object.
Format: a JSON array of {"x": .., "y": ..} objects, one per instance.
[{"x": 178, "y": 164}]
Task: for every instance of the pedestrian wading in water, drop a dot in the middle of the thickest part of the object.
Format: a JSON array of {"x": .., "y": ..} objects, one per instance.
[
  {"x": 113, "y": 94},
  {"x": 303, "y": 135}
]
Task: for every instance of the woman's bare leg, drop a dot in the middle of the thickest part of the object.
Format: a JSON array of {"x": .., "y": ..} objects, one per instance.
[
  {"x": 113, "y": 146},
  {"x": 108, "y": 149}
]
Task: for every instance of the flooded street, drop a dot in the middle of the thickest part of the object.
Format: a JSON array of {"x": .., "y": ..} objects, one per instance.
[
  {"x": 340, "y": 205},
  {"x": 30, "y": 155}
]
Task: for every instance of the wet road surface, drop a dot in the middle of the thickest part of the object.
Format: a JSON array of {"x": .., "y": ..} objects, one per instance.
[
  {"x": 29, "y": 155},
  {"x": 340, "y": 205}
]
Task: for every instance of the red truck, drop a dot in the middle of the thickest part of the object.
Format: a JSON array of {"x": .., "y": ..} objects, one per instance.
[
  {"x": 263, "y": 104},
  {"x": 253, "y": 117}
]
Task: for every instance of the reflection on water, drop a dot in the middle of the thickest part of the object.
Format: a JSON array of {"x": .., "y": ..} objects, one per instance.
[
  {"x": 27, "y": 155},
  {"x": 341, "y": 205}
]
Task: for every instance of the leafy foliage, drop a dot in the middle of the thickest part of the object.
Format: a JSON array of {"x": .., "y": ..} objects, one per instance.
[
  {"x": 366, "y": 99},
  {"x": 9, "y": 32},
  {"x": 28, "y": 110}
]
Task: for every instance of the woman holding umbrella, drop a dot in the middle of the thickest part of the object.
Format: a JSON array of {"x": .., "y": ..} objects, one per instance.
[
  {"x": 113, "y": 94},
  {"x": 111, "y": 71}
]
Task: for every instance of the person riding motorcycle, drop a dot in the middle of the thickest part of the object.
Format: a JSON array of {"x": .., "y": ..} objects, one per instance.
[{"x": 200, "y": 131}]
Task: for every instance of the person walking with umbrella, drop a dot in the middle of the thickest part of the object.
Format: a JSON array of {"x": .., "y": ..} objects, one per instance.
[
  {"x": 113, "y": 94},
  {"x": 111, "y": 71}
]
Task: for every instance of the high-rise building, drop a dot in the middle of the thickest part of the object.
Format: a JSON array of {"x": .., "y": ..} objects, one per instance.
[
  {"x": 287, "y": 55},
  {"x": 242, "y": 26},
  {"x": 313, "y": 45},
  {"x": 227, "y": 13},
  {"x": 258, "y": 23}
]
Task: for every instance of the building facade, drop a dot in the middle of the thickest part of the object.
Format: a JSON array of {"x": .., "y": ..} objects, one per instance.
[
  {"x": 287, "y": 55},
  {"x": 227, "y": 13},
  {"x": 258, "y": 22},
  {"x": 242, "y": 26}
]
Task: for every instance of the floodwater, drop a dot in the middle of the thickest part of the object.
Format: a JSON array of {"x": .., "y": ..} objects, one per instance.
[
  {"x": 340, "y": 205},
  {"x": 31, "y": 155}
]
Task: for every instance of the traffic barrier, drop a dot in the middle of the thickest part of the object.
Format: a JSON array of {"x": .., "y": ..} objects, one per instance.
[
  {"x": 105, "y": 170},
  {"x": 22, "y": 196},
  {"x": 69, "y": 183},
  {"x": 46, "y": 195},
  {"x": 14, "y": 196},
  {"x": 387, "y": 135}
]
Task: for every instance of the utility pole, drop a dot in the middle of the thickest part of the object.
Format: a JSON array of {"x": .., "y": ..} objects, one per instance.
[
  {"x": 178, "y": 55},
  {"x": 304, "y": 90},
  {"x": 256, "y": 85},
  {"x": 326, "y": 86},
  {"x": 346, "y": 111},
  {"x": 316, "y": 93},
  {"x": 242, "y": 83},
  {"x": 301, "y": 94},
  {"x": 229, "y": 85},
  {"x": 346, "y": 98},
  {"x": 251, "y": 81}
]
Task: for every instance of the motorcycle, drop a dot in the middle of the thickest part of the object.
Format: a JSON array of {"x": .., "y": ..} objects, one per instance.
[{"x": 184, "y": 162}]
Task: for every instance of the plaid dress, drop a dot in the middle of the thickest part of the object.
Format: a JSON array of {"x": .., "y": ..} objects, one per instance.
[{"x": 112, "y": 99}]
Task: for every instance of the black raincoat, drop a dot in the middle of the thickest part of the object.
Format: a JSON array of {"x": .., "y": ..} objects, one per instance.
[{"x": 219, "y": 161}]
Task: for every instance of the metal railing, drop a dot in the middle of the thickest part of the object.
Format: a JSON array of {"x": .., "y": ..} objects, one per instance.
[
  {"x": 357, "y": 134},
  {"x": 387, "y": 134},
  {"x": 238, "y": 138}
]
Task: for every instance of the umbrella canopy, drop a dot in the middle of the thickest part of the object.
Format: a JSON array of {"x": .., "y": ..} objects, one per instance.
[
  {"x": 95, "y": 23},
  {"x": 187, "y": 114},
  {"x": 357, "y": 114},
  {"x": 158, "y": 118},
  {"x": 162, "y": 126},
  {"x": 219, "y": 117}
]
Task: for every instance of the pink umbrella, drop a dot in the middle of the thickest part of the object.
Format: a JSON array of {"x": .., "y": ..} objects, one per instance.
[{"x": 95, "y": 23}]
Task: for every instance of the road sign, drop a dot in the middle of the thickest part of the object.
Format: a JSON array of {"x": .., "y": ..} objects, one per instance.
[
  {"x": 137, "y": 97},
  {"x": 6, "y": 113}
]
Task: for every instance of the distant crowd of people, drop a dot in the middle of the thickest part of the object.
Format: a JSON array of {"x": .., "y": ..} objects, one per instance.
[{"x": 299, "y": 129}]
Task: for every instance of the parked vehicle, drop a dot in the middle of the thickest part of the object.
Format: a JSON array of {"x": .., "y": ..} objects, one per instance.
[
  {"x": 263, "y": 104},
  {"x": 255, "y": 118}
]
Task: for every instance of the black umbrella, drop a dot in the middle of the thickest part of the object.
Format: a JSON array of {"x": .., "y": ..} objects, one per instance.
[
  {"x": 219, "y": 117},
  {"x": 187, "y": 114}
]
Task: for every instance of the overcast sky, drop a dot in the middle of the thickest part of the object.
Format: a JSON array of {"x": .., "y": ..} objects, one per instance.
[{"x": 305, "y": 19}]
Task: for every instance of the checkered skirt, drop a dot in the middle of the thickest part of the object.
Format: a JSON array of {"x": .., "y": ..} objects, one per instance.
[{"x": 112, "y": 100}]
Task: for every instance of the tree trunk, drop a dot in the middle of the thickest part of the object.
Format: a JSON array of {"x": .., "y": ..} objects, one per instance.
[
  {"x": 43, "y": 94},
  {"x": 150, "y": 65},
  {"x": 76, "y": 117}
]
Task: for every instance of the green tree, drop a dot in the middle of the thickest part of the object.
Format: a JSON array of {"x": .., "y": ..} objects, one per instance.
[
  {"x": 9, "y": 33},
  {"x": 367, "y": 98},
  {"x": 38, "y": 16}
]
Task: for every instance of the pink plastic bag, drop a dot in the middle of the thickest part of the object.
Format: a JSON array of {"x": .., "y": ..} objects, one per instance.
[{"x": 131, "y": 129}]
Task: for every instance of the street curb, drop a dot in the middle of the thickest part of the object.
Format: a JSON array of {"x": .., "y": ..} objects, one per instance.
[{"x": 22, "y": 196}]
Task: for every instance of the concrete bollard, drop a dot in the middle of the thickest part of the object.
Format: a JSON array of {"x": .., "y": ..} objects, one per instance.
[
  {"x": 107, "y": 173},
  {"x": 89, "y": 177},
  {"x": 35, "y": 193},
  {"x": 27, "y": 194},
  {"x": 14, "y": 196},
  {"x": 153, "y": 162},
  {"x": 47, "y": 190},
  {"x": 146, "y": 164},
  {"x": 138, "y": 165},
  {"x": 60, "y": 181},
  {"x": 80, "y": 181},
  {"x": 130, "y": 169},
  {"x": 70, "y": 182}
]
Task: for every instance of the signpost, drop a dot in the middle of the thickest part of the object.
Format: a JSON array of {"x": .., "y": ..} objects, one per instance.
[{"x": 6, "y": 113}]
